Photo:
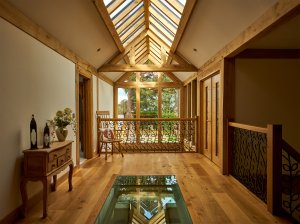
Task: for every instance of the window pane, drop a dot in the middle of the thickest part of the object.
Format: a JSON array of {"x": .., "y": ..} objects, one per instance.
[
  {"x": 148, "y": 103},
  {"x": 126, "y": 103},
  {"x": 165, "y": 78},
  {"x": 170, "y": 102},
  {"x": 131, "y": 78},
  {"x": 149, "y": 77}
]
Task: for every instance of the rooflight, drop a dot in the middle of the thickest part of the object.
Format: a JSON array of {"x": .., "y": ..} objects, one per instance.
[
  {"x": 120, "y": 9},
  {"x": 171, "y": 9},
  {"x": 107, "y": 3},
  {"x": 164, "y": 16},
  {"x": 129, "y": 15},
  {"x": 182, "y": 2}
]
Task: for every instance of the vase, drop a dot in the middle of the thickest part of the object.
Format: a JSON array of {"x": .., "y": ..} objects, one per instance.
[{"x": 61, "y": 134}]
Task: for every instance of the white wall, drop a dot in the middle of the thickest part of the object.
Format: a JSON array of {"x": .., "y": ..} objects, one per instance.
[
  {"x": 102, "y": 100},
  {"x": 267, "y": 92},
  {"x": 105, "y": 98},
  {"x": 34, "y": 80},
  {"x": 95, "y": 99},
  {"x": 214, "y": 23}
]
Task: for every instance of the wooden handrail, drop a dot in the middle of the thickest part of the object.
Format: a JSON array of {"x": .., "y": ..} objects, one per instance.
[
  {"x": 148, "y": 119},
  {"x": 248, "y": 127},
  {"x": 290, "y": 150}
]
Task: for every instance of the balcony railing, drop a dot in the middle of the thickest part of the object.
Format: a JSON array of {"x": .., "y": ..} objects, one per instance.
[
  {"x": 254, "y": 154},
  {"x": 154, "y": 134},
  {"x": 267, "y": 165}
]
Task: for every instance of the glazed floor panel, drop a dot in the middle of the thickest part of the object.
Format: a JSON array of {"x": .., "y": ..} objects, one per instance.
[{"x": 209, "y": 196}]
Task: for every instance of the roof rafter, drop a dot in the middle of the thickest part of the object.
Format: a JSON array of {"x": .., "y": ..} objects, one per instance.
[
  {"x": 146, "y": 68},
  {"x": 147, "y": 14},
  {"x": 109, "y": 24},
  {"x": 186, "y": 14}
]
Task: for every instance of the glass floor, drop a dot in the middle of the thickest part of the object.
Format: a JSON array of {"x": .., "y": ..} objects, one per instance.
[{"x": 144, "y": 199}]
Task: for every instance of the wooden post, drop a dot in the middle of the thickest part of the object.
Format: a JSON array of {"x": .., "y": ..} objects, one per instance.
[
  {"x": 198, "y": 136},
  {"x": 227, "y": 151},
  {"x": 274, "y": 168}
]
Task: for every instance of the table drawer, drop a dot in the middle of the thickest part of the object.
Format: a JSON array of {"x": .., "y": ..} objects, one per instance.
[
  {"x": 61, "y": 160},
  {"x": 57, "y": 153},
  {"x": 52, "y": 165},
  {"x": 68, "y": 155}
]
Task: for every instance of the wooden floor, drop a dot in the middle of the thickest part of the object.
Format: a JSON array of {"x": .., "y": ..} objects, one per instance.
[{"x": 210, "y": 196}]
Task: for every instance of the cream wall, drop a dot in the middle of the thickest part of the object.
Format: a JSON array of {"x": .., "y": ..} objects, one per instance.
[
  {"x": 34, "y": 80},
  {"x": 105, "y": 98},
  {"x": 95, "y": 99},
  {"x": 214, "y": 23},
  {"x": 102, "y": 100},
  {"x": 267, "y": 91}
]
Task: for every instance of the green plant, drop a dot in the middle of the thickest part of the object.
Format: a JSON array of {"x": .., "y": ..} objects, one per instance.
[{"x": 64, "y": 118}]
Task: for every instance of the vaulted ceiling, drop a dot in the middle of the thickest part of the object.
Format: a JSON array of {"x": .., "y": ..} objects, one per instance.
[
  {"x": 114, "y": 35},
  {"x": 146, "y": 30}
]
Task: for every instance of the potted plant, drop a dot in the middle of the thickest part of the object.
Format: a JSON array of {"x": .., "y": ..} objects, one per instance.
[{"x": 61, "y": 121}]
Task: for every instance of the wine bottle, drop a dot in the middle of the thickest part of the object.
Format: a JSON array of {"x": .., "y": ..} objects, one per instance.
[
  {"x": 33, "y": 133},
  {"x": 46, "y": 136}
]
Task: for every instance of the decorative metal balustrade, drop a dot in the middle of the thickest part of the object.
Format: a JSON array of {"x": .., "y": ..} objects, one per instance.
[
  {"x": 267, "y": 165},
  {"x": 249, "y": 160},
  {"x": 155, "y": 134},
  {"x": 290, "y": 181}
]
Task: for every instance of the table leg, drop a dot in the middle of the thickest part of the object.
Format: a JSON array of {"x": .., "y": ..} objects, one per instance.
[
  {"x": 105, "y": 151},
  {"x": 24, "y": 195},
  {"x": 120, "y": 149},
  {"x": 46, "y": 183},
  {"x": 53, "y": 187},
  {"x": 70, "y": 176}
]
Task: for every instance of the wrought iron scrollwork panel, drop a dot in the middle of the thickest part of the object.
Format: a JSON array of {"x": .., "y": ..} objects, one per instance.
[
  {"x": 249, "y": 164},
  {"x": 290, "y": 185},
  {"x": 175, "y": 135}
]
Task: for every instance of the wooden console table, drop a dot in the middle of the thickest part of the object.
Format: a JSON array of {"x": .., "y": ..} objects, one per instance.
[{"x": 41, "y": 165}]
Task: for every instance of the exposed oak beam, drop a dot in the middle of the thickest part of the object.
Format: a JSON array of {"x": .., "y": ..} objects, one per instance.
[
  {"x": 189, "y": 6},
  {"x": 178, "y": 58},
  {"x": 174, "y": 77},
  {"x": 146, "y": 68},
  {"x": 148, "y": 84},
  {"x": 11, "y": 14},
  {"x": 103, "y": 77},
  {"x": 109, "y": 24},
  {"x": 147, "y": 14}
]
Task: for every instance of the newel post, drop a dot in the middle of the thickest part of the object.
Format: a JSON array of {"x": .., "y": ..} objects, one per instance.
[
  {"x": 198, "y": 133},
  {"x": 274, "y": 168}
]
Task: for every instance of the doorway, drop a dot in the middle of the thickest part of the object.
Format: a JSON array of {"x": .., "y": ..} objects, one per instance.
[
  {"x": 210, "y": 111},
  {"x": 82, "y": 117}
]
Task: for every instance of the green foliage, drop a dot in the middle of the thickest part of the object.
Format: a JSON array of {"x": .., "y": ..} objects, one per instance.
[
  {"x": 149, "y": 103},
  {"x": 64, "y": 118}
]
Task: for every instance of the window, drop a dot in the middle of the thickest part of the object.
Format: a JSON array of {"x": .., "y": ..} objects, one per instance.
[{"x": 126, "y": 103}]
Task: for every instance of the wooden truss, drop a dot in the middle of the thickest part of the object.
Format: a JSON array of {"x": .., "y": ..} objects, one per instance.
[{"x": 146, "y": 30}]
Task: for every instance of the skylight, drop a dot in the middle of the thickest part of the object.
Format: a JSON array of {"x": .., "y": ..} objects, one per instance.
[{"x": 133, "y": 17}]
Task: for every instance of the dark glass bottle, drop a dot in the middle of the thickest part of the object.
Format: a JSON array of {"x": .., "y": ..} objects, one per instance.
[
  {"x": 33, "y": 134},
  {"x": 46, "y": 136}
]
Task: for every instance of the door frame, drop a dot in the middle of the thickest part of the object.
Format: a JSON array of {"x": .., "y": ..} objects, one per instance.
[
  {"x": 88, "y": 89},
  {"x": 202, "y": 117}
]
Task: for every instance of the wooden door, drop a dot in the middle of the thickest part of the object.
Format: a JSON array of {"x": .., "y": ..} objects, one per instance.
[
  {"x": 211, "y": 119},
  {"x": 215, "y": 120},
  {"x": 82, "y": 117},
  {"x": 206, "y": 119}
]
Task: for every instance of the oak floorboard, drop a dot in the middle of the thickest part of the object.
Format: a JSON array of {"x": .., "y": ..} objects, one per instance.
[{"x": 210, "y": 196}]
